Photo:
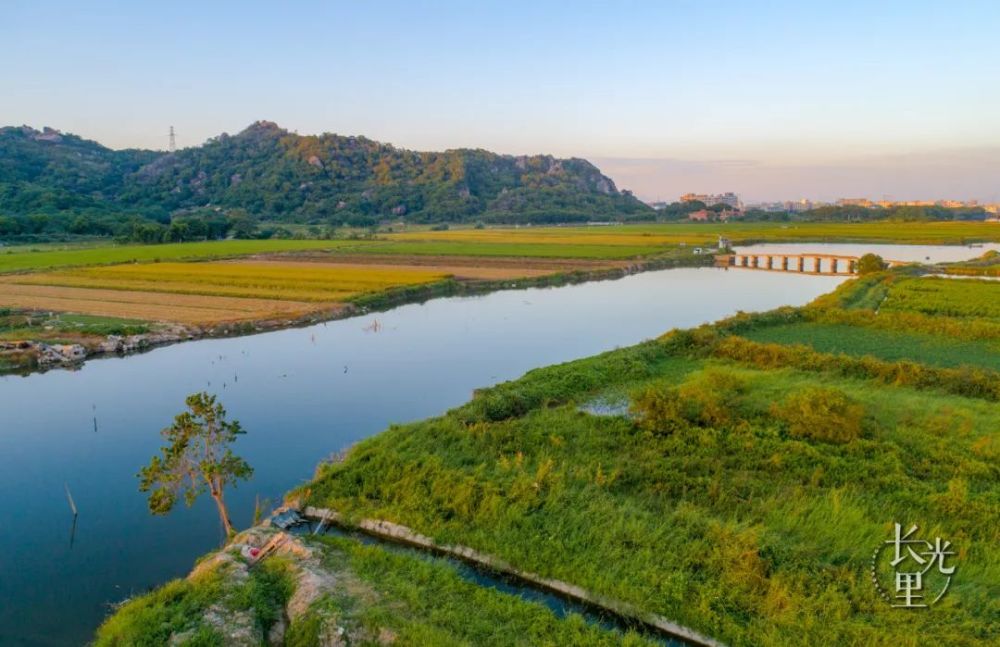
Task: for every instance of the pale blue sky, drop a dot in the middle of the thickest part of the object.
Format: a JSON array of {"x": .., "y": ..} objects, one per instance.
[{"x": 746, "y": 93}]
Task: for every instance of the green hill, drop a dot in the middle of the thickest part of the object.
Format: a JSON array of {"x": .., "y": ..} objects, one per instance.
[{"x": 52, "y": 182}]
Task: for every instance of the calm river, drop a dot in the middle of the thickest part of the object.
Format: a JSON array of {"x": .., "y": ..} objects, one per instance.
[{"x": 301, "y": 394}]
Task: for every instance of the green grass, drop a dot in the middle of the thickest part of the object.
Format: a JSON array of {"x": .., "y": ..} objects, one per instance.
[
  {"x": 736, "y": 529},
  {"x": 743, "y": 497},
  {"x": 586, "y": 244},
  {"x": 424, "y": 601},
  {"x": 884, "y": 344},
  {"x": 930, "y": 233},
  {"x": 968, "y": 298},
  {"x": 151, "y": 619},
  {"x": 986, "y": 265},
  {"x": 23, "y": 259},
  {"x": 420, "y": 600},
  {"x": 37, "y": 259},
  {"x": 179, "y": 607},
  {"x": 56, "y": 327},
  {"x": 913, "y": 233}
]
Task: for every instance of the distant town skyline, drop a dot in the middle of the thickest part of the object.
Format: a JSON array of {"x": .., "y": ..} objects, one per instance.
[{"x": 972, "y": 174}]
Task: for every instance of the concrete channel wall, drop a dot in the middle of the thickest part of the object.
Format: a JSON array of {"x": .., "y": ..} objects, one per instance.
[{"x": 394, "y": 532}]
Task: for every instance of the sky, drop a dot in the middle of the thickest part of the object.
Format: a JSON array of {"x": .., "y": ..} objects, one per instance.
[{"x": 771, "y": 99}]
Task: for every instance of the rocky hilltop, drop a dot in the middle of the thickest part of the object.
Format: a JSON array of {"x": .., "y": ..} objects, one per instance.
[{"x": 281, "y": 176}]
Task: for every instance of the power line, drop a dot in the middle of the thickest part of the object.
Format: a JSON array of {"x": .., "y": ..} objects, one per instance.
[{"x": 173, "y": 140}]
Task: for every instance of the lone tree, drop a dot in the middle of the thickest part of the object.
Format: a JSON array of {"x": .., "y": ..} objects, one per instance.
[
  {"x": 196, "y": 459},
  {"x": 870, "y": 263}
]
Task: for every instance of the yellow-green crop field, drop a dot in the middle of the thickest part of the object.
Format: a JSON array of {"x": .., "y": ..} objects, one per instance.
[
  {"x": 652, "y": 235},
  {"x": 967, "y": 298},
  {"x": 250, "y": 280},
  {"x": 203, "y": 293}
]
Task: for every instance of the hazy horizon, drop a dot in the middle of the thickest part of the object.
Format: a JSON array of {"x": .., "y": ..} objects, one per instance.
[{"x": 778, "y": 100}]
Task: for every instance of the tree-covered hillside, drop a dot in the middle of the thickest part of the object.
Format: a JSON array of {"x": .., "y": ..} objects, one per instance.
[{"x": 52, "y": 182}]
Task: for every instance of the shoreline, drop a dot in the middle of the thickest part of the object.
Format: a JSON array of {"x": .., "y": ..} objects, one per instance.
[{"x": 34, "y": 356}]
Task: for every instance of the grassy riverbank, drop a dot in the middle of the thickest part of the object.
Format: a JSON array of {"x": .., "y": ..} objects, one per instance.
[
  {"x": 736, "y": 478},
  {"x": 337, "y": 591}
]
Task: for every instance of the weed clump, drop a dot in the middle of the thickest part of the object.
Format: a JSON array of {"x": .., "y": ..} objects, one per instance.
[
  {"x": 821, "y": 413},
  {"x": 712, "y": 398}
]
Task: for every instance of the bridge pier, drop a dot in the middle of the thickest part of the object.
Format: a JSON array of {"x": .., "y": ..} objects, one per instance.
[{"x": 839, "y": 265}]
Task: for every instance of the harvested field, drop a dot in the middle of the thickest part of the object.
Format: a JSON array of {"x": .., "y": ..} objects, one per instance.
[
  {"x": 282, "y": 281},
  {"x": 205, "y": 293},
  {"x": 151, "y": 306},
  {"x": 461, "y": 267}
]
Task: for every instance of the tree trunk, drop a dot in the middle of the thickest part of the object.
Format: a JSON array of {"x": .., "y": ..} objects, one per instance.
[{"x": 223, "y": 514}]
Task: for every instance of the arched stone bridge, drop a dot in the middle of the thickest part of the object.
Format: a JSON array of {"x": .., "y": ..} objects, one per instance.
[{"x": 830, "y": 264}]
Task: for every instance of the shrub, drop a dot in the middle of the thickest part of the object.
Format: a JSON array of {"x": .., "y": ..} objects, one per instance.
[
  {"x": 870, "y": 263},
  {"x": 712, "y": 398},
  {"x": 501, "y": 405},
  {"x": 823, "y": 414},
  {"x": 659, "y": 410}
]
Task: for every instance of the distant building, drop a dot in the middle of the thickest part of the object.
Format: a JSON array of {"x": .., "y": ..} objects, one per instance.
[
  {"x": 855, "y": 202},
  {"x": 729, "y": 199},
  {"x": 799, "y": 206},
  {"x": 702, "y": 215}
]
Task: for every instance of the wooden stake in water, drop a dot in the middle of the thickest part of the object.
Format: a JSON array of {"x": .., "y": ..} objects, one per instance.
[{"x": 69, "y": 497}]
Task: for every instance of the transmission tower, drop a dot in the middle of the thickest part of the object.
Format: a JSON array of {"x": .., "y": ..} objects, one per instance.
[{"x": 173, "y": 140}]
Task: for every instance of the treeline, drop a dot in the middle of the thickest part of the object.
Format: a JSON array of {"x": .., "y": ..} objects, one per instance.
[
  {"x": 678, "y": 211},
  {"x": 204, "y": 225}
]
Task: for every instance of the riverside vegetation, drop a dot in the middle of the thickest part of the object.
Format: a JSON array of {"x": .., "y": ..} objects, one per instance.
[{"x": 738, "y": 483}]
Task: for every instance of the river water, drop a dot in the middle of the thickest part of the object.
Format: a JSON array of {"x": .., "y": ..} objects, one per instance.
[{"x": 302, "y": 394}]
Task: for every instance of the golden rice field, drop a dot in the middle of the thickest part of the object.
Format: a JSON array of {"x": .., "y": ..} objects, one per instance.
[
  {"x": 205, "y": 293},
  {"x": 263, "y": 280},
  {"x": 461, "y": 268}
]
